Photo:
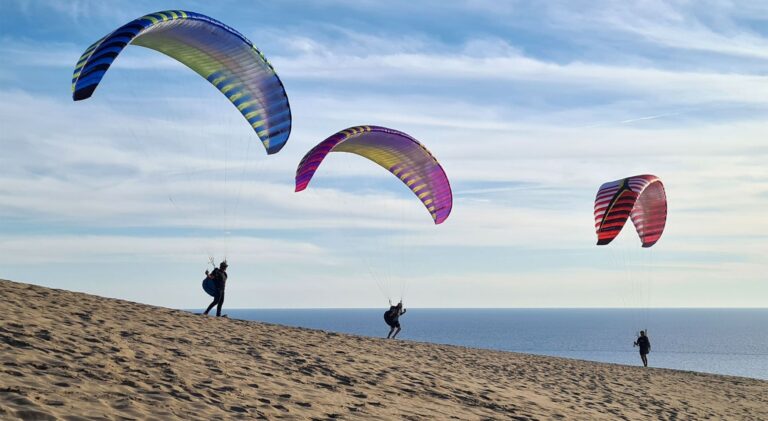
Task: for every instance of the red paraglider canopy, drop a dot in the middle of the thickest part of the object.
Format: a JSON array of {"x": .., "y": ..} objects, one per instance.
[{"x": 641, "y": 198}]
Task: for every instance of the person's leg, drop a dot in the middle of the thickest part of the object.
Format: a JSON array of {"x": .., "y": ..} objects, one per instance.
[
  {"x": 213, "y": 303},
  {"x": 391, "y": 329},
  {"x": 645, "y": 359},
  {"x": 221, "y": 303},
  {"x": 397, "y": 330}
]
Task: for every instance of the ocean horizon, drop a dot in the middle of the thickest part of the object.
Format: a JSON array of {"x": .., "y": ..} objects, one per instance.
[{"x": 728, "y": 341}]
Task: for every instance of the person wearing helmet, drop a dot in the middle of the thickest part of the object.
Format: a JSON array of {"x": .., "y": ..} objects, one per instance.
[
  {"x": 392, "y": 318},
  {"x": 219, "y": 277}
]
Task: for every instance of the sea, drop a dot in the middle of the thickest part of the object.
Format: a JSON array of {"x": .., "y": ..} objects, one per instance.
[{"x": 722, "y": 341}]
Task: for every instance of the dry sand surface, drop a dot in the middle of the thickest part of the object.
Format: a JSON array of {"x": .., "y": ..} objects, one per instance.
[{"x": 73, "y": 356}]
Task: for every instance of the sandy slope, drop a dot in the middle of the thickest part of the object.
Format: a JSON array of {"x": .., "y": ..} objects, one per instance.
[{"x": 66, "y": 355}]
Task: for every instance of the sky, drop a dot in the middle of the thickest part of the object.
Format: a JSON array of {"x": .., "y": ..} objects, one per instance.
[{"x": 528, "y": 106}]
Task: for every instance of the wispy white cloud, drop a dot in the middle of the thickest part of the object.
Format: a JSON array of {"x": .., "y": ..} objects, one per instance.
[
  {"x": 681, "y": 87},
  {"x": 25, "y": 53},
  {"x": 712, "y": 26},
  {"x": 137, "y": 175},
  {"x": 76, "y": 11},
  {"x": 360, "y": 59},
  {"x": 31, "y": 249}
]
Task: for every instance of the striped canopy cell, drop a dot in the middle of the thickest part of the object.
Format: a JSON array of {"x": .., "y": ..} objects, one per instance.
[
  {"x": 641, "y": 198},
  {"x": 396, "y": 152},
  {"x": 220, "y": 54}
]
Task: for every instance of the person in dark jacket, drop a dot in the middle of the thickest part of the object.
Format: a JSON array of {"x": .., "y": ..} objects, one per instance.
[
  {"x": 219, "y": 277},
  {"x": 392, "y": 318},
  {"x": 645, "y": 347}
]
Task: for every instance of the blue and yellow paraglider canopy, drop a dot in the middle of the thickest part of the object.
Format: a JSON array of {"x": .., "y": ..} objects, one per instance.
[{"x": 223, "y": 56}]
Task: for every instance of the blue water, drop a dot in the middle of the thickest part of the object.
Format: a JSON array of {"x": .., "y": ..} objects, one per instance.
[{"x": 723, "y": 341}]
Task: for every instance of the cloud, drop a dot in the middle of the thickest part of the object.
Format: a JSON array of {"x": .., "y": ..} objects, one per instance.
[
  {"x": 35, "y": 249},
  {"x": 363, "y": 58},
  {"x": 680, "y": 87},
  {"x": 75, "y": 11},
  {"x": 595, "y": 288},
  {"x": 101, "y": 172},
  {"x": 25, "y": 53},
  {"x": 712, "y": 26}
]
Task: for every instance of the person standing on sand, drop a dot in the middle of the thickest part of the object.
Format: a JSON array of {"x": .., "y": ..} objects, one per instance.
[
  {"x": 219, "y": 277},
  {"x": 392, "y": 317},
  {"x": 645, "y": 347}
]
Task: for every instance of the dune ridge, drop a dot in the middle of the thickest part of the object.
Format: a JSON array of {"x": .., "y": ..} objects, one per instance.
[{"x": 73, "y": 356}]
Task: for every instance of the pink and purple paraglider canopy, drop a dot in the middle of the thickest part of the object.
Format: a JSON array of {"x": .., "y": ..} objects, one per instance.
[{"x": 397, "y": 152}]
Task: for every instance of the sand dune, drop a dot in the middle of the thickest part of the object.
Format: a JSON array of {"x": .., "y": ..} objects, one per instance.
[{"x": 73, "y": 356}]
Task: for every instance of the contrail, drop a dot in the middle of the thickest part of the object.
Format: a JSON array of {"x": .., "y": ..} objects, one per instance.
[
  {"x": 632, "y": 120},
  {"x": 650, "y": 117}
]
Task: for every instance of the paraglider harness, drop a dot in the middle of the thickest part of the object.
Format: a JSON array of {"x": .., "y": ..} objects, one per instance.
[
  {"x": 209, "y": 284},
  {"x": 389, "y": 316},
  {"x": 213, "y": 281},
  {"x": 643, "y": 343}
]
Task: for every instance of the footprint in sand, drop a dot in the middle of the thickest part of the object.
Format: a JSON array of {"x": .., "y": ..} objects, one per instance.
[
  {"x": 43, "y": 334},
  {"x": 281, "y": 408},
  {"x": 85, "y": 316},
  {"x": 29, "y": 414},
  {"x": 14, "y": 342},
  {"x": 53, "y": 403},
  {"x": 326, "y": 386}
]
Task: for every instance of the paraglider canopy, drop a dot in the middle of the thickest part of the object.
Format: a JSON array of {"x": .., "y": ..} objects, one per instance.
[
  {"x": 641, "y": 198},
  {"x": 223, "y": 56},
  {"x": 398, "y": 153}
]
